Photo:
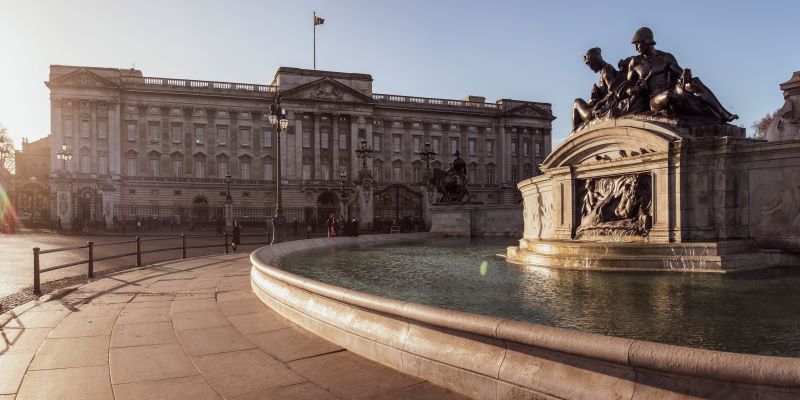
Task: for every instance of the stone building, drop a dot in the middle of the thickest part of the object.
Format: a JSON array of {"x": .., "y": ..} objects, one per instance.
[
  {"x": 161, "y": 147},
  {"x": 28, "y": 188}
]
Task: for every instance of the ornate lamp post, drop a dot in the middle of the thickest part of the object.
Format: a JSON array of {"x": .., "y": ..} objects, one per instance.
[
  {"x": 64, "y": 155},
  {"x": 363, "y": 152},
  {"x": 343, "y": 178},
  {"x": 426, "y": 154},
  {"x": 277, "y": 117},
  {"x": 228, "y": 203}
]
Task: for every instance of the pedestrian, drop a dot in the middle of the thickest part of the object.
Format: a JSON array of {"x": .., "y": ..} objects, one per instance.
[
  {"x": 330, "y": 224},
  {"x": 115, "y": 221},
  {"x": 355, "y": 227},
  {"x": 138, "y": 225},
  {"x": 104, "y": 222},
  {"x": 220, "y": 226},
  {"x": 296, "y": 225},
  {"x": 237, "y": 232},
  {"x": 309, "y": 228}
]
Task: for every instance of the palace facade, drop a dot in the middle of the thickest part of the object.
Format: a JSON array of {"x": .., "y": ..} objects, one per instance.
[{"x": 145, "y": 147}]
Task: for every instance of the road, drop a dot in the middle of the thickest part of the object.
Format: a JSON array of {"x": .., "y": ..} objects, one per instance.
[{"x": 16, "y": 254}]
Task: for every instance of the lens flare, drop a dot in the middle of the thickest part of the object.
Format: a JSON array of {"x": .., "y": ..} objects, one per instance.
[
  {"x": 484, "y": 267},
  {"x": 8, "y": 216}
]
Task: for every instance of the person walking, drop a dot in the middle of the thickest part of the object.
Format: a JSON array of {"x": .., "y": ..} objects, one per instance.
[
  {"x": 237, "y": 233},
  {"x": 331, "y": 225}
]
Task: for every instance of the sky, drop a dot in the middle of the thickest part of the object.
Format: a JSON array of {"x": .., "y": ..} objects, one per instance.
[{"x": 528, "y": 50}]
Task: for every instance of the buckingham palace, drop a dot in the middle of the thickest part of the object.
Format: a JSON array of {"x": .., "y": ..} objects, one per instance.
[{"x": 126, "y": 145}]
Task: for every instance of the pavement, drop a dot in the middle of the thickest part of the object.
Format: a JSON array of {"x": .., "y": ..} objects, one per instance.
[{"x": 189, "y": 329}]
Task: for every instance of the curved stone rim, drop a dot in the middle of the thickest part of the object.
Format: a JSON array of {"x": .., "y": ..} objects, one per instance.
[{"x": 738, "y": 368}]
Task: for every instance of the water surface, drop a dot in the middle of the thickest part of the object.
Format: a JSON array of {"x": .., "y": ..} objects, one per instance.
[{"x": 753, "y": 312}]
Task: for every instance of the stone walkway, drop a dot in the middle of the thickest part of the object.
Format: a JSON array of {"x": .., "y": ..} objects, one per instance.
[{"x": 181, "y": 330}]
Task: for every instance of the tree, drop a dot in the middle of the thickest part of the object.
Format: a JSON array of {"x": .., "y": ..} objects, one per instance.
[
  {"x": 7, "y": 153},
  {"x": 760, "y": 126}
]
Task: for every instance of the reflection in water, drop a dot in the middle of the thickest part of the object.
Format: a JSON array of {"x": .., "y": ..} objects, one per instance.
[{"x": 755, "y": 312}]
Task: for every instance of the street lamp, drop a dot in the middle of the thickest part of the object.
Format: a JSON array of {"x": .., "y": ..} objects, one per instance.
[
  {"x": 426, "y": 154},
  {"x": 364, "y": 153},
  {"x": 228, "y": 203},
  {"x": 64, "y": 155},
  {"x": 277, "y": 117}
]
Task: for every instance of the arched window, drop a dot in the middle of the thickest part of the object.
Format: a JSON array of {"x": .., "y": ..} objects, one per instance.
[
  {"x": 176, "y": 159},
  {"x": 397, "y": 171},
  {"x": 154, "y": 163},
  {"x": 245, "y": 166}
]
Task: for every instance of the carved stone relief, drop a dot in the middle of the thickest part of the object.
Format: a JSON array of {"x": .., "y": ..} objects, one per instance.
[
  {"x": 612, "y": 208},
  {"x": 326, "y": 91}
]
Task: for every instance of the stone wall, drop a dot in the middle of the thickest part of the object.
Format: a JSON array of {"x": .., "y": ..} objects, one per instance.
[{"x": 471, "y": 219}]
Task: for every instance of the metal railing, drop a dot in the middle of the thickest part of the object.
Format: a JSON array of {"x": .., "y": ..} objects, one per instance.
[
  {"x": 91, "y": 246},
  {"x": 431, "y": 101}
]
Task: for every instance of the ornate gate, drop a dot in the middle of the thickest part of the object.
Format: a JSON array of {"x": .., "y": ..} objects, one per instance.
[{"x": 395, "y": 203}]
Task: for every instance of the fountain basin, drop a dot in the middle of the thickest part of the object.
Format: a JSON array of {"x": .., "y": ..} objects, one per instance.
[{"x": 494, "y": 358}]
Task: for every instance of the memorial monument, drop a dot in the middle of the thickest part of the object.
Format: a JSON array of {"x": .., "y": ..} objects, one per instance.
[{"x": 653, "y": 177}]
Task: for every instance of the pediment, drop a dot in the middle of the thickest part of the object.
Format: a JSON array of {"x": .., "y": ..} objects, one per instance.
[
  {"x": 83, "y": 77},
  {"x": 611, "y": 140},
  {"x": 326, "y": 89},
  {"x": 530, "y": 110}
]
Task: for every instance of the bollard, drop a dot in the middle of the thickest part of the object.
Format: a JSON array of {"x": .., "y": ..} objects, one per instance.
[
  {"x": 183, "y": 245},
  {"x": 37, "y": 290},
  {"x": 226, "y": 242},
  {"x": 138, "y": 251},
  {"x": 91, "y": 259}
]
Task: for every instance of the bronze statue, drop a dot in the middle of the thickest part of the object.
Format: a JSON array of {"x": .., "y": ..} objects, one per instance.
[
  {"x": 651, "y": 83},
  {"x": 452, "y": 183},
  {"x": 603, "y": 98}
]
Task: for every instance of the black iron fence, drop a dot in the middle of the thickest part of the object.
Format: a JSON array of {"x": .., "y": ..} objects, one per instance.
[{"x": 136, "y": 244}]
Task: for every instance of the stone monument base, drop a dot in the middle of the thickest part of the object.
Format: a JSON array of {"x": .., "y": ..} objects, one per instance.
[
  {"x": 471, "y": 219},
  {"x": 723, "y": 256}
]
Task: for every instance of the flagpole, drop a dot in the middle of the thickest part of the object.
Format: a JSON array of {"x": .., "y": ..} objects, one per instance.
[{"x": 315, "y": 39}]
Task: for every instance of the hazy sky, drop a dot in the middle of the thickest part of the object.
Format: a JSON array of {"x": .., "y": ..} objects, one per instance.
[{"x": 529, "y": 50}]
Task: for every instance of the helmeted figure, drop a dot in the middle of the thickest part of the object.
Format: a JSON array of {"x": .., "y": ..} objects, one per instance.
[{"x": 451, "y": 184}]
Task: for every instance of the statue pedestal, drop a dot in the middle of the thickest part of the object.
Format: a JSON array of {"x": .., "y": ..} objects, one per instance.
[{"x": 470, "y": 219}]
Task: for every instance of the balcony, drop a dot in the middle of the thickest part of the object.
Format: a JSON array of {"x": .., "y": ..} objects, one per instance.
[{"x": 153, "y": 83}]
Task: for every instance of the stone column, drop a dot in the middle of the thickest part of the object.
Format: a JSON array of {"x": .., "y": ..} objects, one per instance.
[
  {"x": 368, "y": 138},
  {"x": 114, "y": 140},
  {"x": 297, "y": 157},
  {"x": 316, "y": 173},
  {"x": 335, "y": 148},
  {"x": 56, "y": 129},
  {"x": 503, "y": 152},
  {"x": 366, "y": 212},
  {"x": 354, "y": 124}
]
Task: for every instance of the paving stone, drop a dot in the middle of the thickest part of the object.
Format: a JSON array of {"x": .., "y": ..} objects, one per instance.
[
  {"x": 36, "y": 319},
  {"x": 292, "y": 343},
  {"x": 301, "y": 391},
  {"x": 88, "y": 325},
  {"x": 86, "y": 383},
  {"x": 22, "y": 341},
  {"x": 245, "y": 306},
  {"x": 198, "y": 320},
  {"x": 241, "y": 372},
  {"x": 185, "y": 388},
  {"x": 7, "y": 396},
  {"x": 185, "y": 305},
  {"x": 160, "y": 312},
  {"x": 420, "y": 391},
  {"x": 237, "y": 295},
  {"x": 127, "y": 335},
  {"x": 234, "y": 283},
  {"x": 363, "y": 379},
  {"x": 213, "y": 340},
  {"x": 72, "y": 352},
  {"x": 263, "y": 321},
  {"x": 147, "y": 298},
  {"x": 147, "y": 363},
  {"x": 13, "y": 368}
]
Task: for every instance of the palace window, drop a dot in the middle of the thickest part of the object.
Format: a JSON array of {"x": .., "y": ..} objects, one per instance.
[
  {"x": 132, "y": 131},
  {"x": 85, "y": 163},
  {"x": 85, "y": 128},
  {"x": 244, "y": 170},
  {"x": 153, "y": 167},
  {"x": 435, "y": 145},
  {"x": 325, "y": 169},
  {"x": 490, "y": 175},
  {"x": 177, "y": 168},
  {"x": 131, "y": 167},
  {"x": 306, "y": 139},
  {"x": 102, "y": 165},
  {"x": 222, "y": 168},
  {"x": 176, "y": 134},
  {"x": 526, "y": 151},
  {"x": 514, "y": 174},
  {"x": 152, "y": 133},
  {"x": 513, "y": 148},
  {"x": 471, "y": 146},
  {"x": 396, "y": 143},
  {"x": 417, "y": 168},
  {"x": 199, "y": 169},
  {"x": 268, "y": 169},
  {"x": 538, "y": 149},
  {"x": 102, "y": 129},
  {"x": 244, "y": 136},
  {"x": 376, "y": 142},
  {"x": 342, "y": 141},
  {"x": 222, "y": 135},
  {"x": 267, "y": 136},
  {"x": 397, "y": 173},
  {"x": 490, "y": 148},
  {"x": 453, "y": 145},
  {"x": 324, "y": 138},
  {"x": 472, "y": 174},
  {"x": 199, "y": 134},
  {"x": 417, "y": 143},
  {"x": 68, "y": 127}
]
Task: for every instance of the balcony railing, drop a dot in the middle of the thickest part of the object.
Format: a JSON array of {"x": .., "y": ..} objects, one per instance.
[
  {"x": 198, "y": 85},
  {"x": 393, "y": 98}
]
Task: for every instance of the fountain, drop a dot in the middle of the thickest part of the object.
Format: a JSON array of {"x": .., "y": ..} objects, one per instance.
[{"x": 653, "y": 178}]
